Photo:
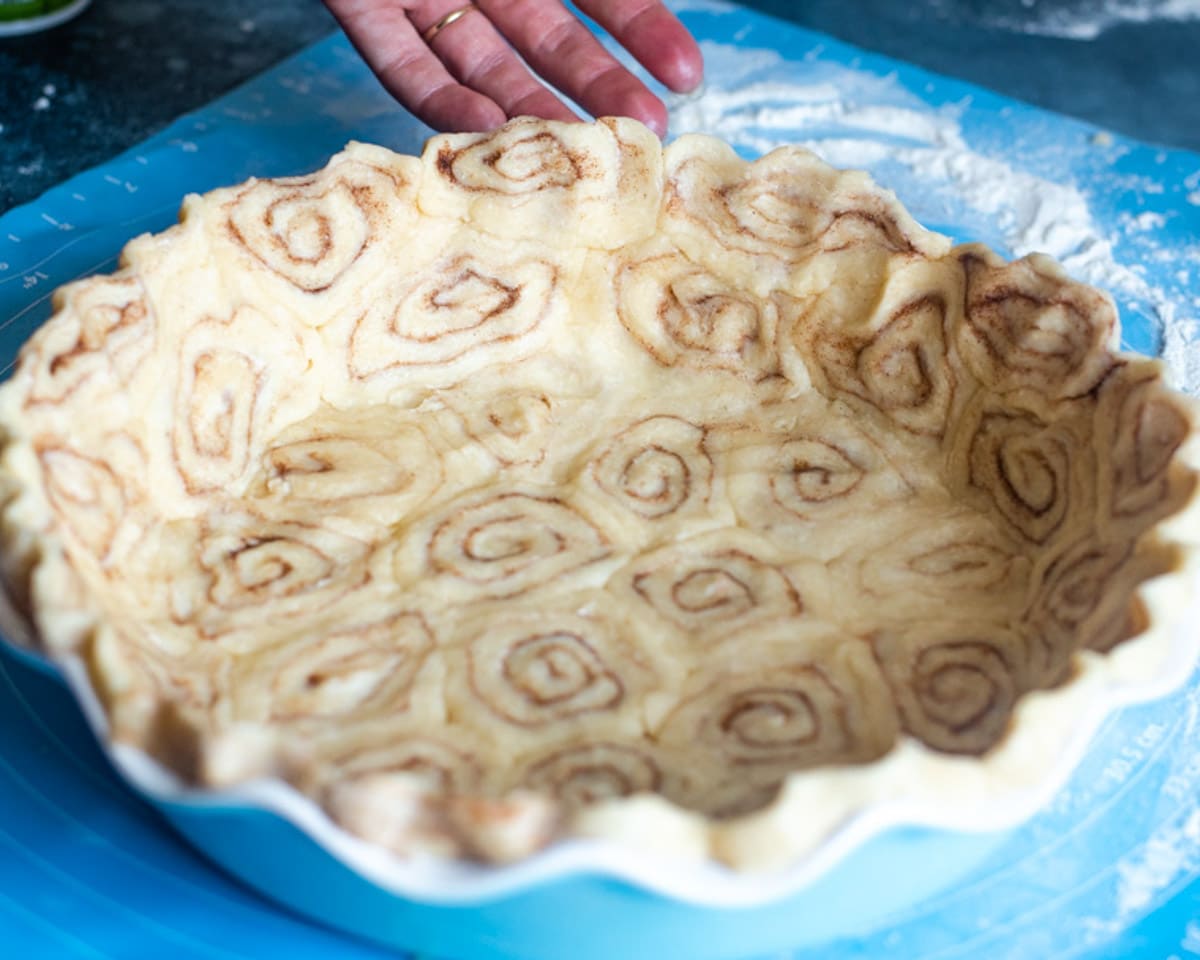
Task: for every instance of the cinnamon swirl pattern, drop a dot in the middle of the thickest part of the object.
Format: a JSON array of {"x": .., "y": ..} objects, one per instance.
[
  {"x": 443, "y": 768},
  {"x": 893, "y": 362},
  {"x": 1035, "y": 475},
  {"x": 955, "y": 684},
  {"x": 1084, "y": 598},
  {"x": 798, "y": 471},
  {"x": 464, "y": 303},
  {"x": 938, "y": 554},
  {"x": 235, "y": 376},
  {"x": 538, "y": 670},
  {"x": 86, "y": 494},
  {"x": 657, "y": 470},
  {"x": 237, "y": 575},
  {"x": 792, "y": 720},
  {"x": 214, "y": 435},
  {"x": 512, "y": 427},
  {"x": 1029, "y": 327},
  {"x": 555, "y": 468},
  {"x": 504, "y": 545},
  {"x": 107, "y": 333},
  {"x": 591, "y": 773},
  {"x": 342, "y": 752},
  {"x": 1139, "y": 428},
  {"x": 312, "y": 231},
  {"x": 528, "y": 179},
  {"x": 741, "y": 729},
  {"x": 359, "y": 669},
  {"x": 683, "y": 315},
  {"x": 712, "y": 584},
  {"x": 365, "y": 466},
  {"x": 765, "y": 218}
]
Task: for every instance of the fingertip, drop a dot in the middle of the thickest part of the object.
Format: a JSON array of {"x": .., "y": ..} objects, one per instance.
[
  {"x": 679, "y": 65},
  {"x": 463, "y": 111},
  {"x": 660, "y": 42},
  {"x": 684, "y": 72},
  {"x": 542, "y": 103},
  {"x": 648, "y": 109},
  {"x": 483, "y": 116},
  {"x": 658, "y": 124}
]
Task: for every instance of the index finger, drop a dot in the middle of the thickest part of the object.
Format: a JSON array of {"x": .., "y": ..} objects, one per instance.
[
  {"x": 388, "y": 41},
  {"x": 557, "y": 45}
]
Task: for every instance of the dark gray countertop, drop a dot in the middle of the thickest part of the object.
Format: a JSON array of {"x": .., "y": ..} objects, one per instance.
[{"x": 76, "y": 95}]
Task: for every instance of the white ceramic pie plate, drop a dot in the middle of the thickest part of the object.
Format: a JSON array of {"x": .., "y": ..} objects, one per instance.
[{"x": 609, "y": 898}]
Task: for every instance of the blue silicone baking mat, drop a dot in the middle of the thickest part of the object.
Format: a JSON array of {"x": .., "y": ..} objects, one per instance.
[{"x": 1110, "y": 869}]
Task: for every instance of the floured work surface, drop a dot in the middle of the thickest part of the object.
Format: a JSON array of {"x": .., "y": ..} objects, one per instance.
[{"x": 472, "y": 492}]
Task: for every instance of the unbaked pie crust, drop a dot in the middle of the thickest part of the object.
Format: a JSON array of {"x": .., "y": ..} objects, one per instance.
[{"x": 557, "y": 483}]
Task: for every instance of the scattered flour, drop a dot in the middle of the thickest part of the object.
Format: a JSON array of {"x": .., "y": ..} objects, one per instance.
[
  {"x": 1160, "y": 862},
  {"x": 1078, "y": 19},
  {"x": 1181, "y": 351},
  {"x": 1069, "y": 19},
  {"x": 1170, "y": 853},
  {"x": 1142, "y": 222},
  {"x": 46, "y": 98}
]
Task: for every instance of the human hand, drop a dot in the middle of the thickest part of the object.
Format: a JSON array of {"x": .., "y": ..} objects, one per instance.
[{"x": 464, "y": 71}]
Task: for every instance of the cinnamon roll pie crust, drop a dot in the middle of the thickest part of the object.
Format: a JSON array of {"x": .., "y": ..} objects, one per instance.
[{"x": 558, "y": 483}]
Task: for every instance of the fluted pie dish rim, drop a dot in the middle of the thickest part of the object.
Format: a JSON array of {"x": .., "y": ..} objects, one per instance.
[{"x": 649, "y": 837}]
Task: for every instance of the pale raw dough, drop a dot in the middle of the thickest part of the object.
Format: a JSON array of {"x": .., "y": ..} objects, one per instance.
[{"x": 467, "y": 492}]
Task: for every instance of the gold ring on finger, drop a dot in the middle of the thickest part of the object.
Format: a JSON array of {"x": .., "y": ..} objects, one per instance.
[{"x": 452, "y": 17}]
